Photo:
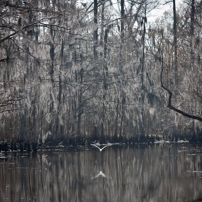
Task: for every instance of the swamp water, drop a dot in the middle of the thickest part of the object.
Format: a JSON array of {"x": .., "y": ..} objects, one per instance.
[{"x": 164, "y": 173}]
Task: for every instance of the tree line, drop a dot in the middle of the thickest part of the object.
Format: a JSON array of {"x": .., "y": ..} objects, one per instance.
[{"x": 99, "y": 70}]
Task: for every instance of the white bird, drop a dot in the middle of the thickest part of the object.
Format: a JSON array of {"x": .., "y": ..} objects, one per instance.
[
  {"x": 99, "y": 146},
  {"x": 98, "y": 175}
]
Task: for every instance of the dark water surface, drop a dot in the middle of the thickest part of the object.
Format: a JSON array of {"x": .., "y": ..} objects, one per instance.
[{"x": 168, "y": 172}]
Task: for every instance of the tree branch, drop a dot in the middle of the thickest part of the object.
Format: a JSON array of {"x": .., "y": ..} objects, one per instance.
[{"x": 170, "y": 106}]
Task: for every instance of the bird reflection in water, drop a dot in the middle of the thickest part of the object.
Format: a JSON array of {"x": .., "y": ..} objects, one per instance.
[{"x": 100, "y": 174}]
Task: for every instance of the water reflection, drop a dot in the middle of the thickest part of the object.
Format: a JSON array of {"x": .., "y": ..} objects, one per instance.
[{"x": 160, "y": 173}]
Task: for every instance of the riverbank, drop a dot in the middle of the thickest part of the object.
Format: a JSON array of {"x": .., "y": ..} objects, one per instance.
[{"x": 27, "y": 146}]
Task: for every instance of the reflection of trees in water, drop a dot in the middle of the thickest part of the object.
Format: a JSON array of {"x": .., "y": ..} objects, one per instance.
[{"x": 140, "y": 173}]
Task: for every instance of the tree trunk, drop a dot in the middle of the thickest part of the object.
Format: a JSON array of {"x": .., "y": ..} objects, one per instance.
[
  {"x": 95, "y": 34},
  {"x": 192, "y": 33},
  {"x": 122, "y": 20},
  {"x": 122, "y": 116},
  {"x": 116, "y": 120},
  {"x": 175, "y": 42}
]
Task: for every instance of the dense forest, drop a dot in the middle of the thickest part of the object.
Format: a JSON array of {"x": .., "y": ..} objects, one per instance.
[{"x": 76, "y": 71}]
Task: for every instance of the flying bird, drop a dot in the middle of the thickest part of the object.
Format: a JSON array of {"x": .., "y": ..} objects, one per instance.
[{"x": 99, "y": 146}]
